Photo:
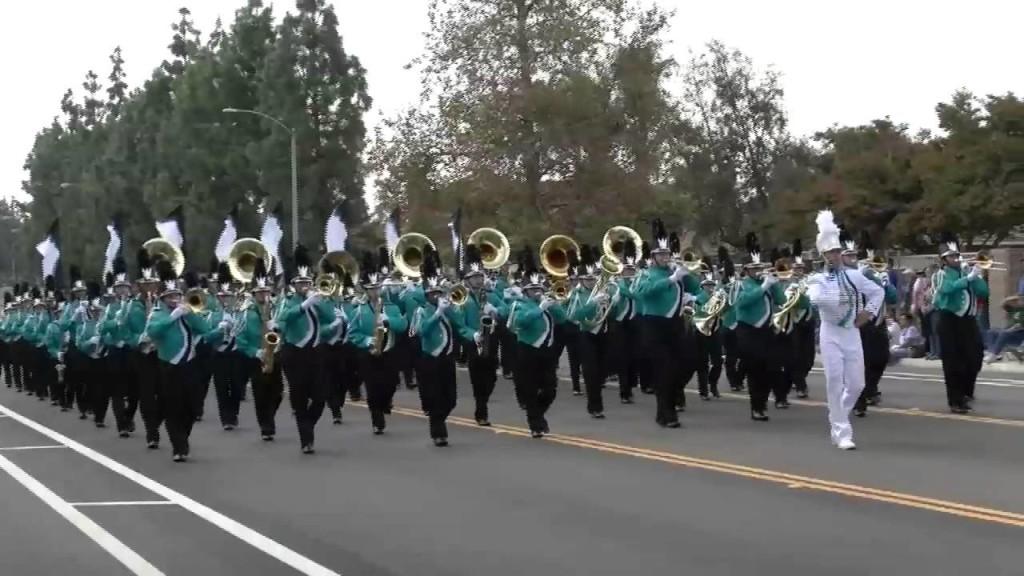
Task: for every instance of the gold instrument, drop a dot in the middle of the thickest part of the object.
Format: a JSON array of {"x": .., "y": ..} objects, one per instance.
[
  {"x": 985, "y": 262},
  {"x": 271, "y": 340},
  {"x": 559, "y": 290},
  {"x": 380, "y": 333},
  {"x": 610, "y": 268},
  {"x": 242, "y": 258},
  {"x": 493, "y": 245},
  {"x": 327, "y": 284},
  {"x": 782, "y": 269},
  {"x": 713, "y": 310},
  {"x": 555, "y": 256},
  {"x": 160, "y": 249},
  {"x": 409, "y": 253},
  {"x": 692, "y": 262},
  {"x": 195, "y": 299},
  {"x": 459, "y": 294},
  {"x": 782, "y": 321},
  {"x": 341, "y": 262},
  {"x": 615, "y": 239}
]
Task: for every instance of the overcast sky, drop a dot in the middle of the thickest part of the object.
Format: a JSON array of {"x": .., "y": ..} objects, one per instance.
[{"x": 842, "y": 62}]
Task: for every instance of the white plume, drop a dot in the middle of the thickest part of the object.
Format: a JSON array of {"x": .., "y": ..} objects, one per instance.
[
  {"x": 170, "y": 231},
  {"x": 826, "y": 222},
  {"x": 391, "y": 234},
  {"x": 50, "y": 252},
  {"x": 113, "y": 248},
  {"x": 227, "y": 237},
  {"x": 271, "y": 236},
  {"x": 335, "y": 233}
]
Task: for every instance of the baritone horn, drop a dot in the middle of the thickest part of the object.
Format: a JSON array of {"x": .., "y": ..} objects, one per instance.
[
  {"x": 410, "y": 252},
  {"x": 244, "y": 255},
  {"x": 493, "y": 245}
]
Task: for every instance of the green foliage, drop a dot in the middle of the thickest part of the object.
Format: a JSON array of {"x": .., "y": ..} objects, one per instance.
[{"x": 140, "y": 154}]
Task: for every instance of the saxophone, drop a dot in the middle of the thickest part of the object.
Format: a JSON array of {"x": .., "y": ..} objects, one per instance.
[
  {"x": 271, "y": 340},
  {"x": 486, "y": 329}
]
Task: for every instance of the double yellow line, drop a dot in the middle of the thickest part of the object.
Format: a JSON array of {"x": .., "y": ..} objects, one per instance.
[{"x": 789, "y": 480}]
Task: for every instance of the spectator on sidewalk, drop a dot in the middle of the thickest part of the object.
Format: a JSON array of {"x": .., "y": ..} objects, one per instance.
[
  {"x": 1013, "y": 336},
  {"x": 922, "y": 308},
  {"x": 911, "y": 343}
]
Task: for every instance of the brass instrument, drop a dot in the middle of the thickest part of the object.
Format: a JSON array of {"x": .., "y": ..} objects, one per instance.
[
  {"x": 380, "y": 332},
  {"x": 713, "y": 310},
  {"x": 242, "y": 258},
  {"x": 271, "y": 340},
  {"x": 494, "y": 247},
  {"x": 985, "y": 262},
  {"x": 610, "y": 268},
  {"x": 782, "y": 270},
  {"x": 555, "y": 256},
  {"x": 409, "y": 253},
  {"x": 559, "y": 290},
  {"x": 195, "y": 299},
  {"x": 160, "y": 249},
  {"x": 459, "y": 294},
  {"x": 340, "y": 262},
  {"x": 692, "y": 262},
  {"x": 615, "y": 239},
  {"x": 327, "y": 284},
  {"x": 782, "y": 321}
]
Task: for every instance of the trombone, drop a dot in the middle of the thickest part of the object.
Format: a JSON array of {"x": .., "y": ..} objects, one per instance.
[{"x": 985, "y": 262}]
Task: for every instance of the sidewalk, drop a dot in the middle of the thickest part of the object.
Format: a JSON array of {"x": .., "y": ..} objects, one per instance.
[{"x": 1002, "y": 367}]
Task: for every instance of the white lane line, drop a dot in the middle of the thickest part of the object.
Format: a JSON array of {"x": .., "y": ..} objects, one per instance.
[
  {"x": 125, "y": 503},
  {"x": 244, "y": 533},
  {"x": 46, "y": 447},
  {"x": 995, "y": 383},
  {"x": 125, "y": 555}
]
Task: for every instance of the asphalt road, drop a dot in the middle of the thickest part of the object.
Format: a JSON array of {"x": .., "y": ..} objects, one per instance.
[{"x": 926, "y": 492}]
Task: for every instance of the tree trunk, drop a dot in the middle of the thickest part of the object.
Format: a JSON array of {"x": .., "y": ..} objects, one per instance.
[{"x": 530, "y": 147}]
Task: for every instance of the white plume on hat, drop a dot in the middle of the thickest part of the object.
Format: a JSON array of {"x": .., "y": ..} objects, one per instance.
[{"x": 828, "y": 232}]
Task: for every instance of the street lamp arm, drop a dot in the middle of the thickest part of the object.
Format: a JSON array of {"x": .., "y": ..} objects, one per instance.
[{"x": 260, "y": 114}]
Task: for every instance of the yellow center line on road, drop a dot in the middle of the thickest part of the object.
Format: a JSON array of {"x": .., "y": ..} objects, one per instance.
[{"x": 783, "y": 478}]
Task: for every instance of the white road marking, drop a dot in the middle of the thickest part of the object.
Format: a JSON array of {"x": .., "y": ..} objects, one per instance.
[
  {"x": 244, "y": 533},
  {"x": 125, "y": 555},
  {"x": 993, "y": 382},
  {"x": 125, "y": 503},
  {"x": 46, "y": 447}
]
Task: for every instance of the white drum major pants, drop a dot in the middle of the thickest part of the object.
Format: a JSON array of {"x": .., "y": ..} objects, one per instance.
[{"x": 843, "y": 357}]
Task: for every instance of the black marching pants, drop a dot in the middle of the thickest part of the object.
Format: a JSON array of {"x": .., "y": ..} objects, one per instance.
[
  {"x": 875, "y": 341},
  {"x": 569, "y": 335},
  {"x": 147, "y": 372},
  {"x": 229, "y": 379},
  {"x": 803, "y": 343},
  {"x": 536, "y": 379},
  {"x": 508, "y": 342},
  {"x": 179, "y": 393},
  {"x": 594, "y": 350},
  {"x": 97, "y": 377},
  {"x": 436, "y": 378},
  {"x": 709, "y": 367},
  {"x": 687, "y": 358},
  {"x": 203, "y": 367},
  {"x": 785, "y": 354},
  {"x": 624, "y": 350},
  {"x": 305, "y": 389},
  {"x": 757, "y": 352},
  {"x": 482, "y": 375},
  {"x": 962, "y": 353},
  {"x": 267, "y": 393},
  {"x": 734, "y": 370},
  {"x": 124, "y": 388},
  {"x": 380, "y": 373},
  {"x": 334, "y": 372},
  {"x": 663, "y": 344}
]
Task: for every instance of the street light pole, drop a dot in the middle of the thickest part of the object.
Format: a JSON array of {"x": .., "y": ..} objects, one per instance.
[{"x": 295, "y": 167}]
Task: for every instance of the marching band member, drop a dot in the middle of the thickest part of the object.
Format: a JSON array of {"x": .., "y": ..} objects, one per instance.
[
  {"x": 709, "y": 348},
  {"x": 805, "y": 323},
  {"x": 29, "y": 333},
  {"x": 874, "y": 335},
  {"x": 593, "y": 334},
  {"x": 481, "y": 343},
  {"x": 957, "y": 290},
  {"x": 374, "y": 326},
  {"x": 258, "y": 357},
  {"x": 785, "y": 346},
  {"x": 734, "y": 371},
  {"x": 229, "y": 376},
  {"x": 90, "y": 343},
  {"x": 70, "y": 318},
  {"x": 836, "y": 294},
  {"x": 759, "y": 295},
  {"x": 52, "y": 342},
  {"x": 334, "y": 361},
  {"x": 624, "y": 327},
  {"x": 302, "y": 318},
  {"x": 663, "y": 292},
  {"x": 5, "y": 342},
  {"x": 534, "y": 319},
  {"x": 436, "y": 326},
  {"x": 19, "y": 346},
  {"x": 175, "y": 329},
  {"x": 124, "y": 386},
  {"x": 145, "y": 360},
  {"x": 567, "y": 334}
]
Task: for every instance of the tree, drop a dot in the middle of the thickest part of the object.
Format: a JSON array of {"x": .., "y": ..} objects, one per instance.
[{"x": 118, "y": 90}]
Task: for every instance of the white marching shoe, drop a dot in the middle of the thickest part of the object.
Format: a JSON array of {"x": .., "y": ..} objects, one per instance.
[{"x": 846, "y": 444}]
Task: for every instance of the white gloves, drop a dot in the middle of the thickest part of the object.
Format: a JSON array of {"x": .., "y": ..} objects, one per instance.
[
  {"x": 601, "y": 298},
  {"x": 513, "y": 292},
  {"x": 178, "y": 312},
  {"x": 546, "y": 303},
  {"x": 224, "y": 325},
  {"x": 260, "y": 354},
  {"x": 490, "y": 310},
  {"x": 863, "y": 268},
  {"x": 769, "y": 281},
  {"x": 478, "y": 338},
  {"x": 442, "y": 305},
  {"x": 679, "y": 273},
  {"x": 271, "y": 325},
  {"x": 974, "y": 273},
  {"x": 334, "y": 325},
  {"x": 94, "y": 341},
  {"x": 311, "y": 301}
]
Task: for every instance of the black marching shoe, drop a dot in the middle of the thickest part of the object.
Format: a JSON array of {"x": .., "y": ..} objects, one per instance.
[
  {"x": 308, "y": 449},
  {"x": 440, "y": 442},
  {"x": 537, "y": 433},
  {"x": 627, "y": 400},
  {"x": 83, "y": 416},
  {"x": 229, "y": 427},
  {"x": 960, "y": 409},
  {"x": 124, "y": 434},
  {"x": 483, "y": 422},
  {"x": 577, "y": 392},
  {"x": 152, "y": 444},
  {"x": 781, "y": 404},
  {"x": 715, "y": 394},
  {"x": 875, "y": 400},
  {"x": 673, "y": 424},
  {"x": 337, "y": 419},
  {"x": 101, "y": 425},
  {"x": 705, "y": 397},
  {"x": 597, "y": 415},
  {"x": 267, "y": 437},
  {"x": 860, "y": 412},
  {"x": 506, "y": 375},
  {"x": 378, "y": 430},
  {"x": 758, "y": 416},
  {"x": 64, "y": 409},
  {"x": 179, "y": 458},
  {"x": 801, "y": 394}
]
